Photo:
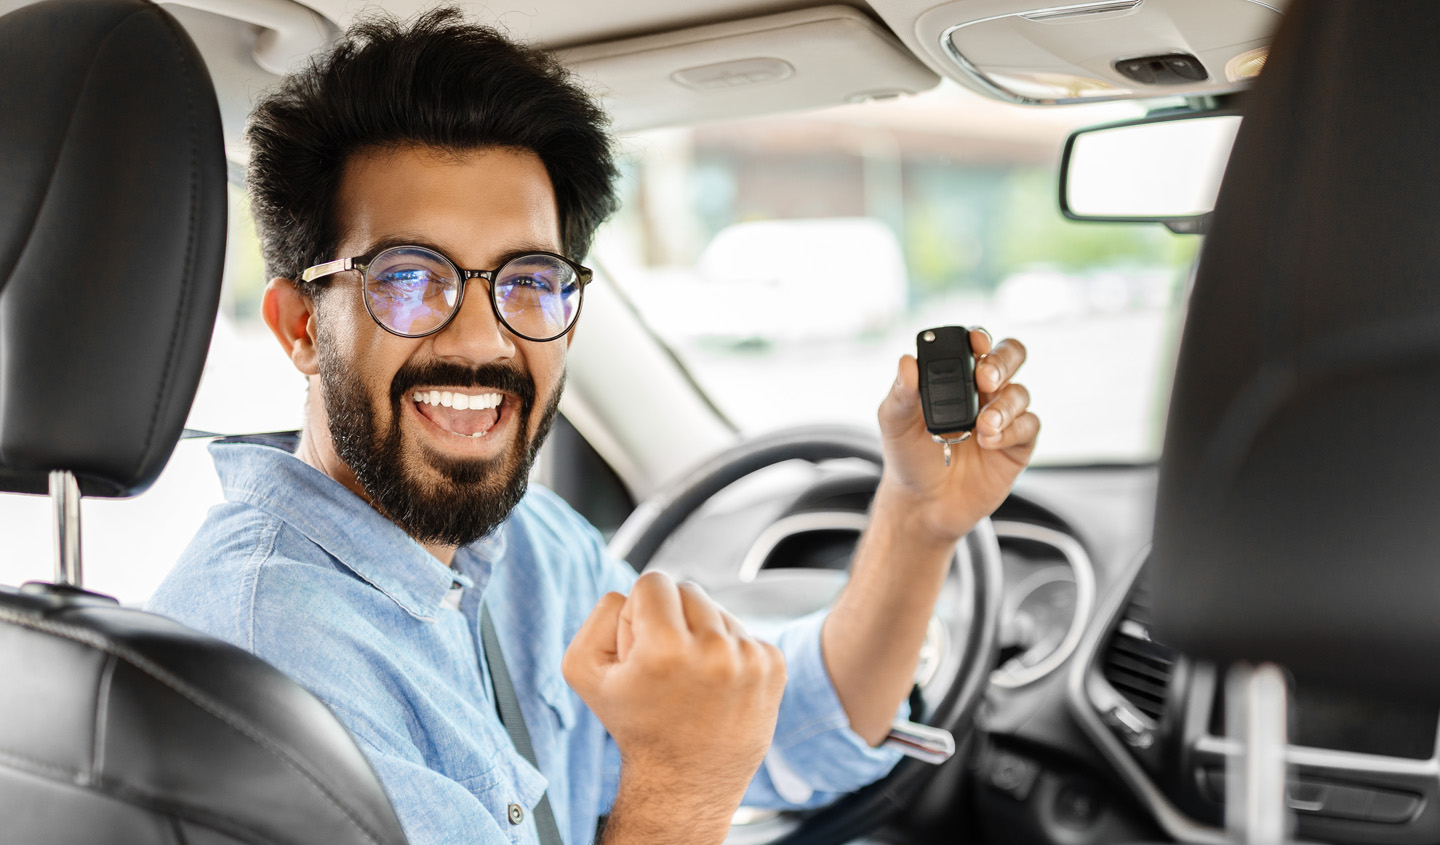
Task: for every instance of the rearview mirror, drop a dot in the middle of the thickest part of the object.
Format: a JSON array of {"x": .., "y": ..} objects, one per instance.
[{"x": 1155, "y": 170}]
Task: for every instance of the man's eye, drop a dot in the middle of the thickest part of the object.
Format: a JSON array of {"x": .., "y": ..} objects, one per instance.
[
  {"x": 538, "y": 284},
  {"x": 406, "y": 281}
]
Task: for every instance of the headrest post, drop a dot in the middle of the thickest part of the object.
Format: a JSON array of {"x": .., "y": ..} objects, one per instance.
[
  {"x": 65, "y": 496},
  {"x": 1256, "y": 717}
]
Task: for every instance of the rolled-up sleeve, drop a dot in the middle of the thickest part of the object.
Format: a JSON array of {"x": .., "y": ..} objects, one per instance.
[{"x": 815, "y": 756}]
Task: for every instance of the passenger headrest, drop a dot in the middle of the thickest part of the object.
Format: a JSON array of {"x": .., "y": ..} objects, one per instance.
[
  {"x": 1298, "y": 517},
  {"x": 112, "y": 240}
]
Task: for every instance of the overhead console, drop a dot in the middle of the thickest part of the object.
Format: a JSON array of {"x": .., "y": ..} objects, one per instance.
[{"x": 1038, "y": 53}]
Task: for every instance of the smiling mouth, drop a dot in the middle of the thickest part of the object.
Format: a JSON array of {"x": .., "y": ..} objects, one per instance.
[{"x": 470, "y": 415}]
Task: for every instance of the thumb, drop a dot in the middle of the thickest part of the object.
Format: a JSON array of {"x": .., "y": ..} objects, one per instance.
[
  {"x": 594, "y": 650},
  {"x": 900, "y": 410}
]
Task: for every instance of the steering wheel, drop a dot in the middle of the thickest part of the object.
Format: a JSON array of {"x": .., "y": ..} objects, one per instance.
[{"x": 965, "y": 639}]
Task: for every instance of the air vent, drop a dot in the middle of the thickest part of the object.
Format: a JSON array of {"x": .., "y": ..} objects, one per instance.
[{"x": 1135, "y": 665}]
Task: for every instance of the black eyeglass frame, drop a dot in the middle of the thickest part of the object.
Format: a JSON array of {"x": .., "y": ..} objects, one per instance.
[{"x": 363, "y": 262}]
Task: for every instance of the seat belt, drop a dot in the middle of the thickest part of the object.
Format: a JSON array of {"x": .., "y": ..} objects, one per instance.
[{"x": 514, "y": 722}]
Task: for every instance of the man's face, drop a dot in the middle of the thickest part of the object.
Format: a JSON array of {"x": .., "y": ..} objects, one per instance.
[{"x": 444, "y": 475}]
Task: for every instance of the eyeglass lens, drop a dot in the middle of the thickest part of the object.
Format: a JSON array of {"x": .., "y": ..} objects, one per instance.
[{"x": 413, "y": 290}]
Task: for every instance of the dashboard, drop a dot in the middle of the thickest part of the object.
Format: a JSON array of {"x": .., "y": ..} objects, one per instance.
[
  {"x": 1364, "y": 769},
  {"x": 1091, "y": 730}
]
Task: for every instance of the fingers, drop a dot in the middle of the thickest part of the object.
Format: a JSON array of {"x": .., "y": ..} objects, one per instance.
[
  {"x": 1005, "y": 408},
  {"x": 1020, "y": 433},
  {"x": 701, "y": 614},
  {"x": 999, "y": 365},
  {"x": 600, "y": 628},
  {"x": 768, "y": 656},
  {"x": 660, "y": 610},
  {"x": 980, "y": 341},
  {"x": 654, "y": 609},
  {"x": 624, "y": 637},
  {"x": 595, "y": 645},
  {"x": 901, "y": 408},
  {"x": 733, "y": 626}
]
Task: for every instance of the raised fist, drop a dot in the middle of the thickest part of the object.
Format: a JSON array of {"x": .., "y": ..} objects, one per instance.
[{"x": 690, "y": 699}]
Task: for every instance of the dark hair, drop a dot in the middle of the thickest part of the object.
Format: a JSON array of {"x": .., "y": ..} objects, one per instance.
[{"x": 439, "y": 82}]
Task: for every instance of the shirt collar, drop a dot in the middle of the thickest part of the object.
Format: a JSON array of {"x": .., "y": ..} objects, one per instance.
[{"x": 348, "y": 528}]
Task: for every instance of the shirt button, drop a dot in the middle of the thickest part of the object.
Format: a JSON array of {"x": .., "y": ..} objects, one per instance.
[{"x": 517, "y": 814}]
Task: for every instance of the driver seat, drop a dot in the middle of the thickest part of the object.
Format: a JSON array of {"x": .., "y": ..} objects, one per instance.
[{"x": 118, "y": 725}]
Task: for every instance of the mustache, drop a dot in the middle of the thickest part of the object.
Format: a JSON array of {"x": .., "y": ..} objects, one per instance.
[{"x": 509, "y": 379}]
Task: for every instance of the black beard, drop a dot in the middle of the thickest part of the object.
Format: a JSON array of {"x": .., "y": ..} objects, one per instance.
[{"x": 472, "y": 497}]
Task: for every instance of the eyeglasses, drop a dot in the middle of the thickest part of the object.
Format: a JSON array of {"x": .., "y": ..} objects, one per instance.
[{"x": 414, "y": 291}]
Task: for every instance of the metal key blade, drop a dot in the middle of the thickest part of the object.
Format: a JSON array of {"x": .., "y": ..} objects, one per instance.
[{"x": 923, "y": 742}]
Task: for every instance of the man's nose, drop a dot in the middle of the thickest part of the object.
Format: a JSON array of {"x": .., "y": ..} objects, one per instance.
[{"x": 475, "y": 334}]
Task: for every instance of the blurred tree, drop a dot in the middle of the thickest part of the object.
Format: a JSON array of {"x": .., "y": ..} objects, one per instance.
[{"x": 1032, "y": 232}]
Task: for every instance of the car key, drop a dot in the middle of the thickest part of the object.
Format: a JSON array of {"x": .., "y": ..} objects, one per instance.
[
  {"x": 922, "y": 742},
  {"x": 948, "y": 394}
]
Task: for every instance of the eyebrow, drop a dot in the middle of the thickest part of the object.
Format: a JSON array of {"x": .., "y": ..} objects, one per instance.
[{"x": 514, "y": 249}]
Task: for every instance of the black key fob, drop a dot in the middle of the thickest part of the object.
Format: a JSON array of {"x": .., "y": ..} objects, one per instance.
[{"x": 947, "y": 379}]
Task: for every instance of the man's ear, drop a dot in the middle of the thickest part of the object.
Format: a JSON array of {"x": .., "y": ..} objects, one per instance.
[{"x": 291, "y": 318}]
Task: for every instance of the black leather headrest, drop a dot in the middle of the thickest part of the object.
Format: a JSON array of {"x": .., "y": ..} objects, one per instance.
[
  {"x": 1299, "y": 507},
  {"x": 112, "y": 240}
]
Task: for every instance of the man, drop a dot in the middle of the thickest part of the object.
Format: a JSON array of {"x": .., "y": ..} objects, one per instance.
[{"x": 366, "y": 563}]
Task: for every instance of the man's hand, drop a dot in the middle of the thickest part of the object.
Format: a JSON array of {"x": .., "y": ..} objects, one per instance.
[
  {"x": 871, "y": 640},
  {"x": 690, "y": 700},
  {"x": 946, "y": 502}
]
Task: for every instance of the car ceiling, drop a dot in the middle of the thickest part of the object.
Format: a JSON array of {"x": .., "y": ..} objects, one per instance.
[
  {"x": 568, "y": 23},
  {"x": 631, "y": 52}
]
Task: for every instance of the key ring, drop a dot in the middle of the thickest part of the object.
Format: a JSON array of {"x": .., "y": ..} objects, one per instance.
[{"x": 947, "y": 442}]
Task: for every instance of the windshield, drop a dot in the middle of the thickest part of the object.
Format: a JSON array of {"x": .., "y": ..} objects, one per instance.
[{"x": 788, "y": 261}]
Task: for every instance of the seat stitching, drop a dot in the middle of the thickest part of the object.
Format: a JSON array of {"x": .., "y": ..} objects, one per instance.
[
  {"x": 154, "y": 670},
  {"x": 182, "y": 307},
  {"x": 134, "y": 797},
  {"x": 30, "y": 764}
]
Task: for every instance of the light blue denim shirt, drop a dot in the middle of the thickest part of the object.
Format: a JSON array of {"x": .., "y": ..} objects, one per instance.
[{"x": 300, "y": 571}]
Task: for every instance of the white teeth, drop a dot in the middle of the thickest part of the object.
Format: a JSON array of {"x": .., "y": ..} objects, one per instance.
[
  {"x": 459, "y": 401},
  {"x": 478, "y": 434}
]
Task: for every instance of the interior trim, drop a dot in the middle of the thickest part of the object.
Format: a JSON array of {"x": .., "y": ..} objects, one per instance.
[
  {"x": 1088, "y": 700},
  {"x": 1219, "y": 748},
  {"x": 937, "y": 652},
  {"x": 1081, "y": 9},
  {"x": 1084, "y": 572},
  {"x": 800, "y": 523},
  {"x": 289, "y": 32}
]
